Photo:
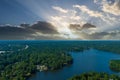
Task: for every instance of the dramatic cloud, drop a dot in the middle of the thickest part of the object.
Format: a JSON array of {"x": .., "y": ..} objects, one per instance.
[
  {"x": 83, "y": 22},
  {"x": 44, "y": 27},
  {"x": 97, "y": 16},
  {"x": 39, "y": 30},
  {"x": 99, "y": 19},
  {"x": 27, "y": 31}
]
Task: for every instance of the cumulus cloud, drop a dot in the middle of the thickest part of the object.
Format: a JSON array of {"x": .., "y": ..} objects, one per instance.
[
  {"x": 74, "y": 19},
  {"x": 112, "y": 8},
  {"x": 68, "y": 15},
  {"x": 97, "y": 16},
  {"x": 91, "y": 13},
  {"x": 109, "y": 6}
]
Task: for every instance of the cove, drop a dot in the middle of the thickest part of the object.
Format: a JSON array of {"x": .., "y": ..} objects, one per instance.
[{"x": 86, "y": 61}]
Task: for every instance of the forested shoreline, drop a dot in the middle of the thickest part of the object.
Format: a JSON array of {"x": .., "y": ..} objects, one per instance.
[
  {"x": 95, "y": 76},
  {"x": 115, "y": 65},
  {"x": 19, "y": 62}
]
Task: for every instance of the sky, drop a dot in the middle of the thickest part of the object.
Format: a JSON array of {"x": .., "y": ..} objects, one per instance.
[{"x": 59, "y": 19}]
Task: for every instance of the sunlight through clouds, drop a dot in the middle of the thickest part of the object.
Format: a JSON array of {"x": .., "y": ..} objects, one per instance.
[{"x": 72, "y": 20}]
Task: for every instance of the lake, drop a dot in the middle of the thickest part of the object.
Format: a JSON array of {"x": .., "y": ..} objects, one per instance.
[{"x": 86, "y": 61}]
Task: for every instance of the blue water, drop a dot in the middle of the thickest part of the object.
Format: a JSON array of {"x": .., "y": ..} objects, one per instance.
[{"x": 86, "y": 61}]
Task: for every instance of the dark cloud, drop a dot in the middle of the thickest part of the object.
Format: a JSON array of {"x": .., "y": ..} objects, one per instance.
[
  {"x": 100, "y": 35},
  {"x": 27, "y": 31},
  {"x": 78, "y": 27},
  {"x": 75, "y": 26},
  {"x": 88, "y": 25},
  {"x": 44, "y": 27},
  {"x": 104, "y": 35},
  {"x": 12, "y": 32}
]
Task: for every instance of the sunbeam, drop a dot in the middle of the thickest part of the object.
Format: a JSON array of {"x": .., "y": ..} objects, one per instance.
[{"x": 73, "y": 19}]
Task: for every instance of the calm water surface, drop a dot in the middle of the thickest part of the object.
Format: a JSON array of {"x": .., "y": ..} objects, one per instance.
[{"x": 88, "y": 60}]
